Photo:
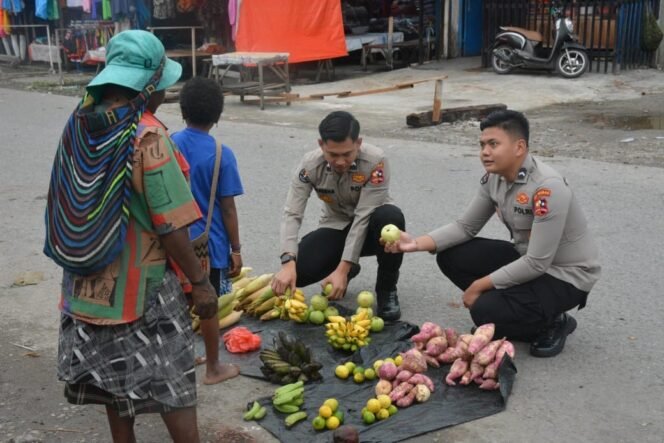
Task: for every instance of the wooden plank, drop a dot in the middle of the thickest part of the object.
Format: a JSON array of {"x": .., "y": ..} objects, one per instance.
[
  {"x": 327, "y": 94},
  {"x": 396, "y": 87},
  {"x": 423, "y": 119},
  {"x": 376, "y": 91},
  {"x": 437, "y": 100},
  {"x": 285, "y": 98},
  {"x": 424, "y": 80}
]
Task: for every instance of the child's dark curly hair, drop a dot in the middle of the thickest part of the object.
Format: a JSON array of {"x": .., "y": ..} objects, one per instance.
[{"x": 201, "y": 101}]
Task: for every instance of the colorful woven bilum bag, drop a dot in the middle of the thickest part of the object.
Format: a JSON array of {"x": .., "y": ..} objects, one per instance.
[{"x": 88, "y": 198}]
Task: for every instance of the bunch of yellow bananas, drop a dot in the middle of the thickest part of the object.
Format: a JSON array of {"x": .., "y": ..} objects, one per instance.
[
  {"x": 348, "y": 334},
  {"x": 289, "y": 305}
]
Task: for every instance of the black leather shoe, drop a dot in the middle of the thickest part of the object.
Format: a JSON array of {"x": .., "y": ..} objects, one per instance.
[
  {"x": 552, "y": 341},
  {"x": 388, "y": 305}
]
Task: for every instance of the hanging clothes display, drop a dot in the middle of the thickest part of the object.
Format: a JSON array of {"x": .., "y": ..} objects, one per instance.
[
  {"x": 120, "y": 8},
  {"x": 13, "y": 6},
  {"x": 106, "y": 10},
  {"x": 163, "y": 9},
  {"x": 212, "y": 15},
  {"x": 5, "y": 24},
  {"x": 85, "y": 4},
  {"x": 234, "y": 16},
  {"x": 81, "y": 38},
  {"x": 185, "y": 6}
]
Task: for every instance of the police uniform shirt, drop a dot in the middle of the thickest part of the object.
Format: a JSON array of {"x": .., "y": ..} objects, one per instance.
[
  {"x": 350, "y": 197},
  {"x": 546, "y": 222}
]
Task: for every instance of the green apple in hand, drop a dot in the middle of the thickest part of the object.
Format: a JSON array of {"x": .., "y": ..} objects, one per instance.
[{"x": 390, "y": 233}]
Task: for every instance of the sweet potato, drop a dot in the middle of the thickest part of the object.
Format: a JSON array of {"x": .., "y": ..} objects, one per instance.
[
  {"x": 401, "y": 391},
  {"x": 413, "y": 361},
  {"x": 387, "y": 371},
  {"x": 421, "y": 379},
  {"x": 422, "y": 393},
  {"x": 466, "y": 378},
  {"x": 491, "y": 370},
  {"x": 427, "y": 331},
  {"x": 451, "y": 336},
  {"x": 383, "y": 387},
  {"x": 459, "y": 367},
  {"x": 490, "y": 385},
  {"x": 466, "y": 338},
  {"x": 407, "y": 399},
  {"x": 481, "y": 337},
  {"x": 404, "y": 375},
  {"x": 436, "y": 346},
  {"x": 476, "y": 369},
  {"x": 488, "y": 353},
  {"x": 448, "y": 356},
  {"x": 478, "y": 380},
  {"x": 431, "y": 361}
]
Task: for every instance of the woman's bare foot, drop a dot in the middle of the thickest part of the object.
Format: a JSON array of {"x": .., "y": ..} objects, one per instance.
[
  {"x": 220, "y": 373},
  {"x": 199, "y": 361}
]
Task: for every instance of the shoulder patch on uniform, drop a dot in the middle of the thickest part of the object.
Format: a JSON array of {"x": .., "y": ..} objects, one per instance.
[
  {"x": 304, "y": 176},
  {"x": 540, "y": 203},
  {"x": 378, "y": 174},
  {"x": 484, "y": 179}
]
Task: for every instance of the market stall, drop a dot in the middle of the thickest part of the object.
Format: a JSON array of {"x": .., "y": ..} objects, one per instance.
[{"x": 333, "y": 365}]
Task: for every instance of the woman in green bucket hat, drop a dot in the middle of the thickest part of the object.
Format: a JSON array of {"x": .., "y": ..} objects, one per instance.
[{"x": 116, "y": 221}]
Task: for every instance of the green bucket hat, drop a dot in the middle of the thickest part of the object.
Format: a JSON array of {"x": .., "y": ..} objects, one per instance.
[{"x": 132, "y": 57}]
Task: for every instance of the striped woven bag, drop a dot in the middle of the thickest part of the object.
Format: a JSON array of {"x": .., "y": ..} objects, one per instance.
[{"x": 88, "y": 198}]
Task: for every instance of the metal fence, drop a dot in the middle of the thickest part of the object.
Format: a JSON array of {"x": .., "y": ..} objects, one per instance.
[{"x": 610, "y": 29}]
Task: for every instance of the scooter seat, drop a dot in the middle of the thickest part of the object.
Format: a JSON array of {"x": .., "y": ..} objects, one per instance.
[{"x": 530, "y": 35}]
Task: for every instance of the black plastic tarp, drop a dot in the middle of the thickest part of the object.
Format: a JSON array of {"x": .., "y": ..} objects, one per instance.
[
  {"x": 447, "y": 406},
  {"x": 313, "y": 335}
]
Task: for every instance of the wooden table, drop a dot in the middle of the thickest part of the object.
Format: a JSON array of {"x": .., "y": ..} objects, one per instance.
[{"x": 277, "y": 62}]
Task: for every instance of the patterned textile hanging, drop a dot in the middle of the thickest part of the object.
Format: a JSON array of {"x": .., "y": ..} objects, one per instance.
[{"x": 88, "y": 197}]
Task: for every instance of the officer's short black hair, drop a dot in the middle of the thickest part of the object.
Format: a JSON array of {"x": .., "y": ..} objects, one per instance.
[
  {"x": 512, "y": 122},
  {"x": 201, "y": 101},
  {"x": 338, "y": 126}
]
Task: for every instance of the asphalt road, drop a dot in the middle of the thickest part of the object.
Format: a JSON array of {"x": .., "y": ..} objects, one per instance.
[{"x": 605, "y": 387}]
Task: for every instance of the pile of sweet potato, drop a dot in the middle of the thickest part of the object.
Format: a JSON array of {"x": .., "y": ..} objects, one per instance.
[
  {"x": 475, "y": 358},
  {"x": 407, "y": 383}
]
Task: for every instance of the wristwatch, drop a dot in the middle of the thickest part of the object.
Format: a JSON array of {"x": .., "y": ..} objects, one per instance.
[{"x": 286, "y": 257}]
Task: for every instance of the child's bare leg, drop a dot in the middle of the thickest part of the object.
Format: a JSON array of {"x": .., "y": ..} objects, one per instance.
[{"x": 215, "y": 372}]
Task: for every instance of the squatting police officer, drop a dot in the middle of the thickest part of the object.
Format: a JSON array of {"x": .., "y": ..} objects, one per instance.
[
  {"x": 524, "y": 286},
  {"x": 352, "y": 180}
]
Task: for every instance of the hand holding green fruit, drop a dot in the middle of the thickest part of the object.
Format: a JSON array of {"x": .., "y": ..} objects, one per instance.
[{"x": 390, "y": 233}]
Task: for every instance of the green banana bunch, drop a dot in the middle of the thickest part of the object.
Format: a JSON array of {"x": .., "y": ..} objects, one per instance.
[
  {"x": 288, "y": 399},
  {"x": 255, "y": 412}
]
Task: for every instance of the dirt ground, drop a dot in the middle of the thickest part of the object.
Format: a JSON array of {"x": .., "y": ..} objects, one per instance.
[{"x": 618, "y": 131}]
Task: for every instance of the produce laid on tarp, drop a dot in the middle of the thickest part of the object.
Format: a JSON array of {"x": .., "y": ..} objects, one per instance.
[{"x": 340, "y": 366}]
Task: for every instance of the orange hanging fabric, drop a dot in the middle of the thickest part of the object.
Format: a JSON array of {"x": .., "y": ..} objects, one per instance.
[{"x": 308, "y": 30}]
